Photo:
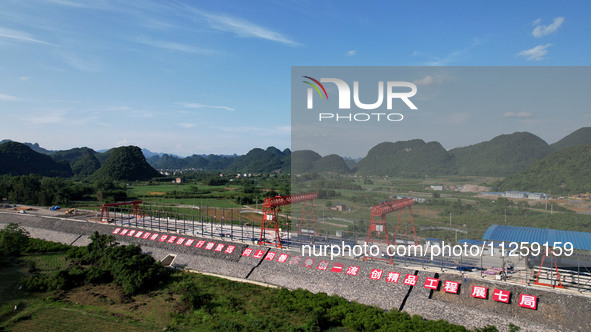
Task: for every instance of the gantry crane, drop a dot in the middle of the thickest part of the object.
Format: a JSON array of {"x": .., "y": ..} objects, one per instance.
[
  {"x": 105, "y": 209},
  {"x": 378, "y": 227},
  {"x": 269, "y": 224}
]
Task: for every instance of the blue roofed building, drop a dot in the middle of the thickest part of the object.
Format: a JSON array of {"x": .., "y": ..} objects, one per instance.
[{"x": 554, "y": 237}]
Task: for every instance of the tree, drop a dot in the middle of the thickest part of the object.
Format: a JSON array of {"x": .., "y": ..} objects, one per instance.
[{"x": 13, "y": 240}]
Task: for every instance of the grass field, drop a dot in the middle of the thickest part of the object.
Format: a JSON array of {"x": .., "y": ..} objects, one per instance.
[
  {"x": 87, "y": 289},
  {"x": 225, "y": 306},
  {"x": 211, "y": 202}
]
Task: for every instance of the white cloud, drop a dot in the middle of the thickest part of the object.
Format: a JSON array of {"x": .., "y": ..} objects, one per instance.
[
  {"x": 197, "y": 106},
  {"x": 172, "y": 46},
  {"x": 457, "y": 118},
  {"x": 4, "y": 97},
  {"x": 259, "y": 131},
  {"x": 47, "y": 117},
  {"x": 351, "y": 52},
  {"x": 20, "y": 36},
  {"x": 517, "y": 115},
  {"x": 78, "y": 63},
  {"x": 131, "y": 112},
  {"x": 186, "y": 125},
  {"x": 544, "y": 30},
  {"x": 428, "y": 80},
  {"x": 537, "y": 53},
  {"x": 124, "y": 142},
  {"x": 24, "y": 78},
  {"x": 452, "y": 57},
  {"x": 240, "y": 27},
  {"x": 119, "y": 108},
  {"x": 538, "y": 21}
]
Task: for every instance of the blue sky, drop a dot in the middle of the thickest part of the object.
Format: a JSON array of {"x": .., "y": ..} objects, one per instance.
[{"x": 190, "y": 77}]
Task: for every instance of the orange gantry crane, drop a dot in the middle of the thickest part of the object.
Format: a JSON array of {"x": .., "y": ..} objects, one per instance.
[
  {"x": 269, "y": 224},
  {"x": 378, "y": 227},
  {"x": 105, "y": 209}
]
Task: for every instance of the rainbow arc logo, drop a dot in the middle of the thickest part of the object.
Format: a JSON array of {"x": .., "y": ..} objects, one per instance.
[{"x": 316, "y": 87}]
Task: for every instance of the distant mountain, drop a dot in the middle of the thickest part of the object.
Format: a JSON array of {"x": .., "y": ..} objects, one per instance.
[
  {"x": 87, "y": 164},
  {"x": 148, "y": 154},
  {"x": 331, "y": 164},
  {"x": 34, "y": 146},
  {"x": 407, "y": 158},
  {"x": 302, "y": 161},
  {"x": 578, "y": 137},
  {"x": 563, "y": 172},
  {"x": 259, "y": 161},
  {"x": 200, "y": 162},
  {"x": 82, "y": 160},
  {"x": 103, "y": 156},
  {"x": 71, "y": 155},
  {"x": 501, "y": 156},
  {"x": 126, "y": 163},
  {"x": 351, "y": 162},
  {"x": 20, "y": 159},
  {"x": 166, "y": 161},
  {"x": 211, "y": 162}
]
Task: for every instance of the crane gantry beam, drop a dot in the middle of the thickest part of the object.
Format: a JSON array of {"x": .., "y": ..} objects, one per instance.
[
  {"x": 105, "y": 209},
  {"x": 290, "y": 199},
  {"x": 389, "y": 207}
]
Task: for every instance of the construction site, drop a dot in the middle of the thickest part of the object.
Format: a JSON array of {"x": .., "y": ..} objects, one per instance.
[{"x": 526, "y": 290}]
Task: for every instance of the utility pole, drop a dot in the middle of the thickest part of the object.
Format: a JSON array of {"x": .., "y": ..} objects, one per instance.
[{"x": 547, "y": 201}]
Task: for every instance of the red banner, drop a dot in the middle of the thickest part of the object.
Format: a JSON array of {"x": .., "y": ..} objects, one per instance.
[
  {"x": 393, "y": 277},
  {"x": 337, "y": 267},
  {"x": 451, "y": 287},
  {"x": 323, "y": 265},
  {"x": 431, "y": 283},
  {"x": 411, "y": 279},
  {"x": 528, "y": 301},
  {"x": 282, "y": 258},
  {"x": 500, "y": 295},
  {"x": 352, "y": 270},
  {"x": 479, "y": 292}
]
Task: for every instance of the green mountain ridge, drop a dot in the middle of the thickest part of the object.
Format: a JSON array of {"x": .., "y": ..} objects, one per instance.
[
  {"x": 126, "y": 163},
  {"x": 259, "y": 160},
  {"x": 302, "y": 161},
  {"x": 86, "y": 164},
  {"x": 577, "y": 137},
  {"x": 71, "y": 155},
  {"x": 19, "y": 159},
  {"x": 563, "y": 172},
  {"x": 501, "y": 156},
  {"x": 331, "y": 164},
  {"x": 406, "y": 158}
]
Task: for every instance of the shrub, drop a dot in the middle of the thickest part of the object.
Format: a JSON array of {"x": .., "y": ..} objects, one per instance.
[{"x": 13, "y": 240}]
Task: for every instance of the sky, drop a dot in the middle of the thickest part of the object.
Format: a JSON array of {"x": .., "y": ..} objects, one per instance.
[{"x": 195, "y": 77}]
